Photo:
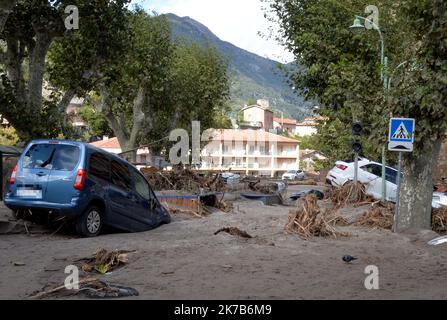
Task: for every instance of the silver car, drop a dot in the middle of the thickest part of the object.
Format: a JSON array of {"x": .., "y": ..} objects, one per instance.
[{"x": 293, "y": 175}]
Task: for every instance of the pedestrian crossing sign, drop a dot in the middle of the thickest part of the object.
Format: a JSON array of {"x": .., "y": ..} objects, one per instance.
[{"x": 401, "y": 137}]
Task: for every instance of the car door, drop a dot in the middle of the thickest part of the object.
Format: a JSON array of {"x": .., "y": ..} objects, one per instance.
[
  {"x": 121, "y": 203},
  {"x": 144, "y": 200},
  {"x": 34, "y": 171},
  {"x": 391, "y": 184},
  {"x": 152, "y": 211},
  {"x": 370, "y": 175}
]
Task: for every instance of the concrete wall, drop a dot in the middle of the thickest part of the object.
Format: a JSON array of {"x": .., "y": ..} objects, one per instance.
[{"x": 305, "y": 131}]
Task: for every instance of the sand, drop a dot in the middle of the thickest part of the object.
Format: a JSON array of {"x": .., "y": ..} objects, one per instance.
[{"x": 184, "y": 260}]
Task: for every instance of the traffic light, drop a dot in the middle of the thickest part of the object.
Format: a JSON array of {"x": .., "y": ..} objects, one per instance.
[
  {"x": 357, "y": 146},
  {"x": 357, "y": 129}
]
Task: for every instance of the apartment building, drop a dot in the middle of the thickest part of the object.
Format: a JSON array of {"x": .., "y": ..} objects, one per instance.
[
  {"x": 258, "y": 116},
  {"x": 251, "y": 152}
]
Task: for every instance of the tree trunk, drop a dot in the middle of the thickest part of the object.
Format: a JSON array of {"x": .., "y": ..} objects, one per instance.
[
  {"x": 37, "y": 69},
  {"x": 417, "y": 187},
  {"x": 138, "y": 119},
  {"x": 117, "y": 124},
  {"x": 6, "y": 7}
]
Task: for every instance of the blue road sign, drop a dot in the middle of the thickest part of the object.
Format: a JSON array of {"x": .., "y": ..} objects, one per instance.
[{"x": 401, "y": 137}]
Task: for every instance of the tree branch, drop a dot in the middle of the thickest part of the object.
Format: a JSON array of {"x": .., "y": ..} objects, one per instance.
[
  {"x": 104, "y": 107},
  {"x": 65, "y": 101},
  {"x": 138, "y": 116}
]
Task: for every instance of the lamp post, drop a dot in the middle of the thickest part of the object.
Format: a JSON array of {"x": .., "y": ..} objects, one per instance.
[{"x": 359, "y": 27}]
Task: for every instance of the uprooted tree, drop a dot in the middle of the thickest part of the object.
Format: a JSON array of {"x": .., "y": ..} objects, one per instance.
[{"x": 342, "y": 70}]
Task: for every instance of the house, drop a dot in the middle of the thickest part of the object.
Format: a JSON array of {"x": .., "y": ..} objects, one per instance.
[
  {"x": 309, "y": 157},
  {"x": 254, "y": 152},
  {"x": 258, "y": 116},
  {"x": 308, "y": 126},
  {"x": 143, "y": 158},
  {"x": 72, "y": 111},
  {"x": 284, "y": 125}
]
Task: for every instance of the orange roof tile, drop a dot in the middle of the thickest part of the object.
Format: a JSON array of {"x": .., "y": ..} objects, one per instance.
[
  {"x": 285, "y": 121},
  {"x": 111, "y": 143}
]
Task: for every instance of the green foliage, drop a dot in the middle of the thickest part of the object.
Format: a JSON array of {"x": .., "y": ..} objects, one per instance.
[
  {"x": 342, "y": 70},
  {"x": 198, "y": 90},
  {"x": 8, "y": 136},
  {"x": 97, "y": 125},
  {"x": 29, "y": 32}
]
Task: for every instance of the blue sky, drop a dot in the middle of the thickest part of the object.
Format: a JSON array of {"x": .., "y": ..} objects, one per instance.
[{"x": 235, "y": 21}]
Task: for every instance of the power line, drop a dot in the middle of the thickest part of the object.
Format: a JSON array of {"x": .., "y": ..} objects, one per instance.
[{"x": 144, "y": 146}]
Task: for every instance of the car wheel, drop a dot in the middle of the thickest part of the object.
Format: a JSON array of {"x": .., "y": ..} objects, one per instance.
[{"x": 90, "y": 223}]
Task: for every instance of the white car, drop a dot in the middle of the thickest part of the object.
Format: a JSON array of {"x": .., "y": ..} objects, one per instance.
[
  {"x": 370, "y": 174},
  {"x": 293, "y": 175}
]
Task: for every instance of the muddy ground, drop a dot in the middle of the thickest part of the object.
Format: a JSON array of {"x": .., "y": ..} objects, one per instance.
[{"x": 185, "y": 260}]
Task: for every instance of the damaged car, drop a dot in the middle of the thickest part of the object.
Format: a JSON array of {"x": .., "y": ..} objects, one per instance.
[
  {"x": 90, "y": 186},
  {"x": 370, "y": 174}
]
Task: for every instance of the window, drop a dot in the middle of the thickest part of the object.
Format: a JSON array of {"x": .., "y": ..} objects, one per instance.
[
  {"x": 66, "y": 158},
  {"x": 99, "y": 166},
  {"x": 391, "y": 175},
  {"x": 262, "y": 149},
  {"x": 39, "y": 156},
  {"x": 141, "y": 186},
  {"x": 51, "y": 156},
  {"x": 374, "y": 169},
  {"x": 251, "y": 150},
  {"x": 121, "y": 175}
]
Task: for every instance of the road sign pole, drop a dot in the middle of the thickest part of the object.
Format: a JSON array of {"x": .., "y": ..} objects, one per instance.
[
  {"x": 399, "y": 181},
  {"x": 383, "y": 174},
  {"x": 356, "y": 169}
]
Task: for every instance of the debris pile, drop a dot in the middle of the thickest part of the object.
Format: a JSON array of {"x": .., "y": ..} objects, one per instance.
[
  {"x": 104, "y": 261},
  {"x": 439, "y": 220},
  {"x": 225, "y": 206},
  {"x": 91, "y": 288},
  {"x": 349, "y": 193},
  {"x": 380, "y": 216},
  {"x": 265, "y": 188},
  {"x": 183, "y": 179},
  {"x": 308, "y": 221},
  {"x": 234, "y": 232},
  {"x": 309, "y": 182}
]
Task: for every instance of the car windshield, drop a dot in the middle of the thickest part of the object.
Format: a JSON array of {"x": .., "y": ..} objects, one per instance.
[
  {"x": 51, "y": 157},
  {"x": 291, "y": 171}
]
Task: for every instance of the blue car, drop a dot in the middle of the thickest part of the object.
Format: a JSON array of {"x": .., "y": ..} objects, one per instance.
[{"x": 80, "y": 181}]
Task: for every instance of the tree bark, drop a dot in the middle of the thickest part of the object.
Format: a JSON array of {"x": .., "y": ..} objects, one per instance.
[
  {"x": 6, "y": 7},
  {"x": 138, "y": 119},
  {"x": 417, "y": 187},
  {"x": 37, "y": 69},
  {"x": 117, "y": 123}
]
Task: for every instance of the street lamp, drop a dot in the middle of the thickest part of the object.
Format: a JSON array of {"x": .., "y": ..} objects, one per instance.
[{"x": 359, "y": 27}]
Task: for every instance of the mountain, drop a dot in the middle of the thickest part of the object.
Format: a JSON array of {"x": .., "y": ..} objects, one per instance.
[{"x": 252, "y": 77}]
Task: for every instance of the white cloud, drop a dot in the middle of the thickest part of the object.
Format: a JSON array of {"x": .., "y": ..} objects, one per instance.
[{"x": 235, "y": 21}]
